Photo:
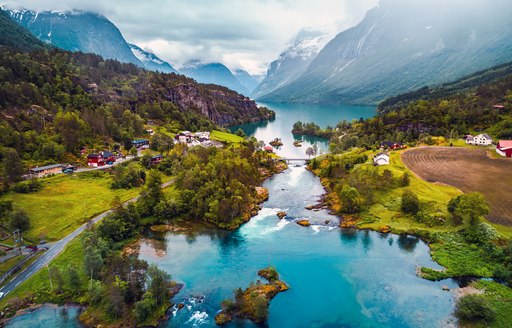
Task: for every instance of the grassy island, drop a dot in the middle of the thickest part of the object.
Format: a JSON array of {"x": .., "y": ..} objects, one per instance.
[{"x": 253, "y": 302}]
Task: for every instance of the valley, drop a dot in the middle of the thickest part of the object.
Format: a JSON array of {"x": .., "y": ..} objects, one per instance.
[{"x": 277, "y": 164}]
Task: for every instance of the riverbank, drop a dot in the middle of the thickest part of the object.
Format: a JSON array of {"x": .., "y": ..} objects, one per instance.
[{"x": 382, "y": 212}]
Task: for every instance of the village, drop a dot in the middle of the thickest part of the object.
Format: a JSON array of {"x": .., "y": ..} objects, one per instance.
[{"x": 106, "y": 158}]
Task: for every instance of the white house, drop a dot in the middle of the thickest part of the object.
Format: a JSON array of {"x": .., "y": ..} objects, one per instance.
[
  {"x": 381, "y": 159},
  {"x": 203, "y": 135},
  {"x": 479, "y": 140}
]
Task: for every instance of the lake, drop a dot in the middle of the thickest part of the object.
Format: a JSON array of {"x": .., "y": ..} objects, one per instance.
[{"x": 288, "y": 114}]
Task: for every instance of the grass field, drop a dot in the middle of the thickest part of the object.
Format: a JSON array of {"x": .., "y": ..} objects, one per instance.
[
  {"x": 499, "y": 298},
  {"x": 225, "y": 137},
  {"x": 66, "y": 202},
  {"x": 39, "y": 283},
  {"x": 386, "y": 209},
  {"x": 470, "y": 170}
]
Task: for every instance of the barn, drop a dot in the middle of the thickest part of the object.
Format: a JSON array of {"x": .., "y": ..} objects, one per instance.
[{"x": 504, "y": 148}]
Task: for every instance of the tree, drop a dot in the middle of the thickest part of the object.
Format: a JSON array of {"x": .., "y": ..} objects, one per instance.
[
  {"x": 19, "y": 220},
  {"x": 351, "y": 199},
  {"x": 11, "y": 164},
  {"x": 410, "y": 202},
  {"x": 144, "y": 307},
  {"x": 152, "y": 193},
  {"x": 469, "y": 207},
  {"x": 73, "y": 278},
  {"x": 386, "y": 178},
  {"x": 240, "y": 133},
  {"x": 310, "y": 151},
  {"x": 57, "y": 279},
  {"x": 158, "y": 283},
  {"x": 406, "y": 180},
  {"x": 474, "y": 308}
]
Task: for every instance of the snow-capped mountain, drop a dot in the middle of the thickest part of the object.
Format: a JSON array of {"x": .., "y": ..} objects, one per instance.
[
  {"x": 151, "y": 61},
  {"x": 77, "y": 31},
  {"x": 249, "y": 81},
  {"x": 402, "y": 45},
  {"x": 293, "y": 61},
  {"x": 214, "y": 73}
]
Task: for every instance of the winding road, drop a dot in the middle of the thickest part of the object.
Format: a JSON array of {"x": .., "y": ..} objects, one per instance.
[{"x": 55, "y": 249}]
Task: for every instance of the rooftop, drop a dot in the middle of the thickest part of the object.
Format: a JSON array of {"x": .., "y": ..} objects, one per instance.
[{"x": 44, "y": 168}]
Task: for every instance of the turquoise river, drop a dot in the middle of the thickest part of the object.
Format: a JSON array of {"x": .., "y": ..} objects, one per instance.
[{"x": 337, "y": 278}]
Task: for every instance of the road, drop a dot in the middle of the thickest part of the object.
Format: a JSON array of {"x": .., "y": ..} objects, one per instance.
[{"x": 55, "y": 249}]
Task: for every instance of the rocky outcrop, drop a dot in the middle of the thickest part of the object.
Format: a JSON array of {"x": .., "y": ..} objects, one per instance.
[
  {"x": 219, "y": 104},
  {"x": 253, "y": 303}
]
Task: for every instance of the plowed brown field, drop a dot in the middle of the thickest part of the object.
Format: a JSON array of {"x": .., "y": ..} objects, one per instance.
[{"x": 469, "y": 170}]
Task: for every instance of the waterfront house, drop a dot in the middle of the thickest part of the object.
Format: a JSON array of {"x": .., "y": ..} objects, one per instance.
[
  {"x": 42, "y": 171},
  {"x": 480, "y": 140},
  {"x": 381, "y": 159},
  {"x": 504, "y": 148},
  {"x": 140, "y": 143}
]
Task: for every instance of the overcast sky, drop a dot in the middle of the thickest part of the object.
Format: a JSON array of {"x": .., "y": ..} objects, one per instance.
[{"x": 246, "y": 34}]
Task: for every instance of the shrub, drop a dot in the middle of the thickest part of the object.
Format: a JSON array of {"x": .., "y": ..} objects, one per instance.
[
  {"x": 26, "y": 187},
  {"x": 473, "y": 308}
]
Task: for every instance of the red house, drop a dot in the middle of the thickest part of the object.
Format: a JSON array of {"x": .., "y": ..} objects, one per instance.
[
  {"x": 504, "y": 148},
  {"x": 96, "y": 160}
]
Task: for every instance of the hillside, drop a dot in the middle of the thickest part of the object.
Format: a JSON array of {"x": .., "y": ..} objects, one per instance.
[
  {"x": 13, "y": 35},
  {"x": 401, "y": 46},
  {"x": 53, "y": 103},
  {"x": 450, "y": 112},
  {"x": 464, "y": 84}
]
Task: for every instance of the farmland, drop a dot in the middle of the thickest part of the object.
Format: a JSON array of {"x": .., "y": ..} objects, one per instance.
[{"x": 469, "y": 170}]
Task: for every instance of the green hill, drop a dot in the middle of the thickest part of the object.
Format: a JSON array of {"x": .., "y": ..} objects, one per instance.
[{"x": 13, "y": 35}]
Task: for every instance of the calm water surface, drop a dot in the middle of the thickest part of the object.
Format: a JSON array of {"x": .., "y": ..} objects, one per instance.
[{"x": 287, "y": 114}]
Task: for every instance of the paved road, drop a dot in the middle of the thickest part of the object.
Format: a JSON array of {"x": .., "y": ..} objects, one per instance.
[{"x": 55, "y": 250}]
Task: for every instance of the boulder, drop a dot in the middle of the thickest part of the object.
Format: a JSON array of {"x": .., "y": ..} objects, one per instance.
[
  {"x": 309, "y": 207},
  {"x": 281, "y": 215},
  {"x": 304, "y": 223},
  {"x": 385, "y": 229}
]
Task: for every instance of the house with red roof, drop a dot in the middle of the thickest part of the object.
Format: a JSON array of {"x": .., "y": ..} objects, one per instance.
[{"x": 504, "y": 148}]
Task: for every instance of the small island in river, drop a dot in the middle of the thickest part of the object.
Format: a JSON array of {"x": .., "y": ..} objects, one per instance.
[{"x": 253, "y": 302}]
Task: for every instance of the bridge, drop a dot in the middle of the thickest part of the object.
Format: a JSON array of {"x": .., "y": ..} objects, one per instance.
[{"x": 290, "y": 159}]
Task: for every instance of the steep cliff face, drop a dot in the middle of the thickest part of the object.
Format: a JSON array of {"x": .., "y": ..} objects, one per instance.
[
  {"x": 402, "y": 45},
  {"x": 220, "y": 105}
]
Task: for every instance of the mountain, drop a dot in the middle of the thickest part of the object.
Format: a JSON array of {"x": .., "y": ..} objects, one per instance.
[
  {"x": 13, "y": 35},
  {"x": 402, "y": 45},
  {"x": 292, "y": 62},
  {"x": 248, "y": 81},
  {"x": 77, "y": 31},
  {"x": 151, "y": 61},
  {"x": 213, "y": 73}
]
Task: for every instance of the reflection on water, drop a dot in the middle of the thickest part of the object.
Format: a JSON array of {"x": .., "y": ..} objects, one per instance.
[
  {"x": 288, "y": 114},
  {"x": 408, "y": 243}
]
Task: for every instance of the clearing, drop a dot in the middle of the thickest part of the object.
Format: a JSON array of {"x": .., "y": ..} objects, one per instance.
[{"x": 469, "y": 170}]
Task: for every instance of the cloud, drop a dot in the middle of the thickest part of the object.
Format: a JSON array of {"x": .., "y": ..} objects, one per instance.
[{"x": 247, "y": 34}]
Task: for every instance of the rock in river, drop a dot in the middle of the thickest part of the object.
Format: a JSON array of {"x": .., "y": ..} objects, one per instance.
[
  {"x": 304, "y": 223},
  {"x": 281, "y": 215}
]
